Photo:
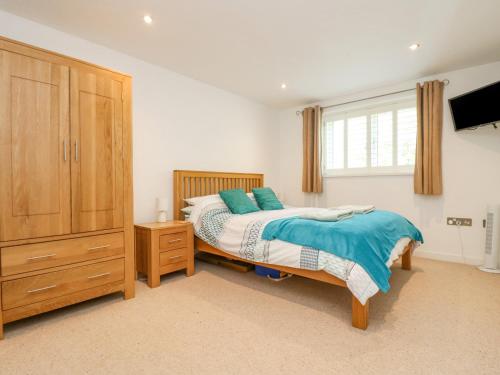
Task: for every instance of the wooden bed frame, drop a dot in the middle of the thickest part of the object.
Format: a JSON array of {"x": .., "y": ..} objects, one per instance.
[{"x": 189, "y": 184}]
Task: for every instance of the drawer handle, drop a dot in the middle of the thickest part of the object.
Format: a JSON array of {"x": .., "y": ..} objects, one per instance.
[
  {"x": 42, "y": 289},
  {"x": 98, "y": 247},
  {"x": 98, "y": 276},
  {"x": 40, "y": 257},
  {"x": 177, "y": 256},
  {"x": 174, "y": 241}
]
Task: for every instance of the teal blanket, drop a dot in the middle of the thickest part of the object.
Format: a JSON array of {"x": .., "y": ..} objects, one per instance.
[{"x": 365, "y": 239}]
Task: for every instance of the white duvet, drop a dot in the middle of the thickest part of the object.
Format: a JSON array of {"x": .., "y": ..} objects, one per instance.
[{"x": 241, "y": 235}]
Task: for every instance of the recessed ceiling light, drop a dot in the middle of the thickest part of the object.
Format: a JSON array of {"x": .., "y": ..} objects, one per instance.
[
  {"x": 148, "y": 19},
  {"x": 414, "y": 46},
  {"x": 283, "y": 86}
]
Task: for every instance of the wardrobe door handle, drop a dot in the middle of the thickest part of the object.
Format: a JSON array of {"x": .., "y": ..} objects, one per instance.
[
  {"x": 65, "y": 150},
  {"x": 98, "y": 247},
  {"x": 100, "y": 275},
  {"x": 41, "y": 289},
  {"x": 40, "y": 257},
  {"x": 76, "y": 150}
]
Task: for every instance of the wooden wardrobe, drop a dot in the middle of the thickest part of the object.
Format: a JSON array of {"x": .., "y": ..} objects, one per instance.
[{"x": 66, "y": 227}]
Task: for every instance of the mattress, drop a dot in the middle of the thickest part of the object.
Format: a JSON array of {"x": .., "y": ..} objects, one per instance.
[{"x": 241, "y": 236}]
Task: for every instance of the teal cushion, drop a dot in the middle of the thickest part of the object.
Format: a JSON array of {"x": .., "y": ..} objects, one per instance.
[
  {"x": 238, "y": 202},
  {"x": 266, "y": 199}
]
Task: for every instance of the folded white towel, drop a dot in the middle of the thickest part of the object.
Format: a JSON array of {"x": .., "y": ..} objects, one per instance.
[
  {"x": 357, "y": 209},
  {"x": 327, "y": 215}
]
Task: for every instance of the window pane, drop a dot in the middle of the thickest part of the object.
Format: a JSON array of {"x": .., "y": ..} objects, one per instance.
[
  {"x": 356, "y": 142},
  {"x": 329, "y": 145},
  {"x": 407, "y": 136},
  {"x": 381, "y": 139},
  {"x": 338, "y": 144},
  {"x": 334, "y": 133}
]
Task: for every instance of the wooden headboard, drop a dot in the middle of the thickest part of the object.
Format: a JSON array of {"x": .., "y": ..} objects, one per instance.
[{"x": 189, "y": 184}]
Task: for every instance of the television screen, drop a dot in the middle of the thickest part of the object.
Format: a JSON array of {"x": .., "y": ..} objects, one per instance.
[{"x": 476, "y": 108}]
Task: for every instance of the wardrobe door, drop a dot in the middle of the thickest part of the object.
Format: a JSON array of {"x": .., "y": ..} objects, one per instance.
[
  {"x": 97, "y": 150},
  {"x": 34, "y": 148}
]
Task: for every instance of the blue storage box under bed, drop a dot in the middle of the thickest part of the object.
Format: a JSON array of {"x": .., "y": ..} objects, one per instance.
[{"x": 265, "y": 271}]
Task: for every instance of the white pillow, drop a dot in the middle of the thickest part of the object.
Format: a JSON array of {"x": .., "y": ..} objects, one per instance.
[
  {"x": 187, "y": 210},
  {"x": 195, "y": 200}
]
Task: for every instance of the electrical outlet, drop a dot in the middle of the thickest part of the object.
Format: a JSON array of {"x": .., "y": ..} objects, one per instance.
[{"x": 460, "y": 221}]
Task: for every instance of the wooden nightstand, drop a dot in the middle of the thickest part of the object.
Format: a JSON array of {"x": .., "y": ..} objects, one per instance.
[{"x": 163, "y": 248}]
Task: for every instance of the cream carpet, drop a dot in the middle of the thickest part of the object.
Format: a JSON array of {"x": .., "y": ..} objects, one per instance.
[{"x": 440, "y": 318}]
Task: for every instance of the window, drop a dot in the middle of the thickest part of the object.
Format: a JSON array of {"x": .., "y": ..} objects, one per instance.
[{"x": 373, "y": 140}]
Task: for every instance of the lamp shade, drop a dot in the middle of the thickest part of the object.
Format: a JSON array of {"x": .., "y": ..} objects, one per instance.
[{"x": 162, "y": 204}]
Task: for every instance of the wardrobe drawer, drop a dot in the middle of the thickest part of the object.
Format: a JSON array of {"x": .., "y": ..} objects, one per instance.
[
  {"x": 173, "y": 256},
  {"x": 25, "y": 258},
  {"x": 173, "y": 241},
  {"x": 21, "y": 292}
]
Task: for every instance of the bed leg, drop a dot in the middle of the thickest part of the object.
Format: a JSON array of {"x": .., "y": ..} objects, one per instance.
[
  {"x": 406, "y": 260},
  {"x": 359, "y": 314}
]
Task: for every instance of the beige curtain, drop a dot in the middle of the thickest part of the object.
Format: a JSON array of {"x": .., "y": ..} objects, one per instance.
[
  {"x": 427, "y": 177},
  {"x": 312, "y": 182}
]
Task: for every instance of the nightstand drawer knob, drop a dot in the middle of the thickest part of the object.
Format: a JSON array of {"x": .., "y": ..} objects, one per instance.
[
  {"x": 176, "y": 257},
  {"x": 174, "y": 241}
]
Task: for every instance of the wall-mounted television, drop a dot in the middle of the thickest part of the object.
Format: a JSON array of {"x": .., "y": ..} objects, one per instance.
[{"x": 476, "y": 108}]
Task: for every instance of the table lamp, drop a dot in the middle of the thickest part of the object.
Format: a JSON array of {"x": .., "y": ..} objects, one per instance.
[{"x": 162, "y": 208}]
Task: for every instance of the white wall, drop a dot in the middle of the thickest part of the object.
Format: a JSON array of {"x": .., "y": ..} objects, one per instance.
[
  {"x": 471, "y": 175},
  {"x": 179, "y": 123}
]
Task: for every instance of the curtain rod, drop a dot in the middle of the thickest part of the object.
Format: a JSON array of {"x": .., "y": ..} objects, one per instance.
[{"x": 298, "y": 113}]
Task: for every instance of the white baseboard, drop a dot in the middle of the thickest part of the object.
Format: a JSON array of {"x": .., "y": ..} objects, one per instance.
[{"x": 447, "y": 257}]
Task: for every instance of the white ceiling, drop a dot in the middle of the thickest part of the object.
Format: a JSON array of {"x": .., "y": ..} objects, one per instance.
[{"x": 320, "y": 48}]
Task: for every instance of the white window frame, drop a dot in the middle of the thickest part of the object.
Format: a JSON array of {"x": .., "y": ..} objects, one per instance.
[{"x": 344, "y": 112}]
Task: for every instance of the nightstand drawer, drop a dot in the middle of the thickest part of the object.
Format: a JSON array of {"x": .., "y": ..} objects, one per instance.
[
  {"x": 173, "y": 241},
  {"x": 173, "y": 256},
  {"x": 25, "y": 258},
  {"x": 21, "y": 292}
]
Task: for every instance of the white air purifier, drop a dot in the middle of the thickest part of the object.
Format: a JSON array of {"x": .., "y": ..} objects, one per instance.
[{"x": 492, "y": 243}]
